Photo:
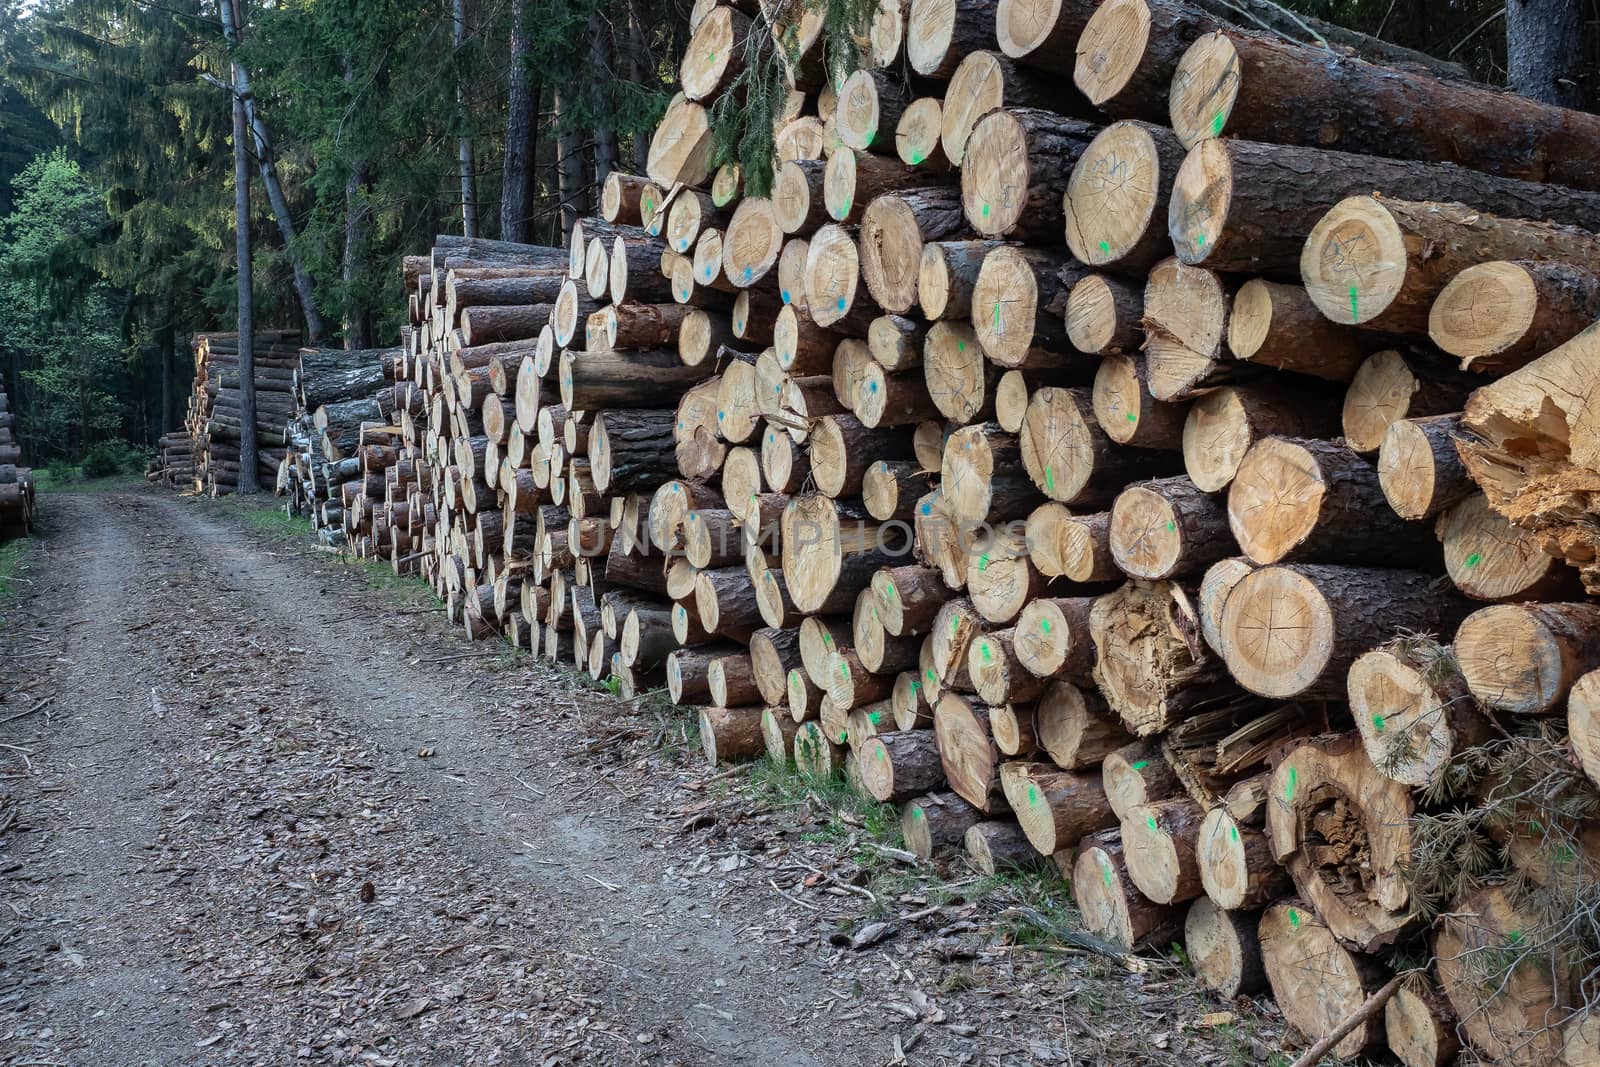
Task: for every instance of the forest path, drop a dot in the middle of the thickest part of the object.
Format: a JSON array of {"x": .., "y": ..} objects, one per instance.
[{"x": 245, "y": 833}]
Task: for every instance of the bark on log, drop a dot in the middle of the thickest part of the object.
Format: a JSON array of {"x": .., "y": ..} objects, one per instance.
[
  {"x": 1504, "y": 314},
  {"x": 1316, "y": 981},
  {"x": 936, "y": 821},
  {"x": 894, "y": 232},
  {"x": 1225, "y": 949},
  {"x": 1105, "y": 315},
  {"x": 898, "y": 766},
  {"x": 1413, "y": 710},
  {"x": 1419, "y": 468},
  {"x": 1525, "y": 658},
  {"x": 1487, "y": 558},
  {"x": 1018, "y": 161},
  {"x": 1224, "y": 424},
  {"x": 1111, "y": 907}
]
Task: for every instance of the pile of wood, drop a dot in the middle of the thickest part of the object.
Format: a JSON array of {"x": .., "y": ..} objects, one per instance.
[
  {"x": 173, "y": 463},
  {"x": 338, "y": 393},
  {"x": 1073, "y": 465},
  {"x": 212, "y": 424},
  {"x": 16, "y": 481}
]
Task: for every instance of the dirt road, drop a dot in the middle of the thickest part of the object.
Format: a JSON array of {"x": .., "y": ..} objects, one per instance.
[{"x": 250, "y": 813}]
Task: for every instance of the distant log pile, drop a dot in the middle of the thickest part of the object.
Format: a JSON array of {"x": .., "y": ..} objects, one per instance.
[
  {"x": 17, "y": 497},
  {"x": 212, "y": 425},
  {"x": 1082, "y": 488}
]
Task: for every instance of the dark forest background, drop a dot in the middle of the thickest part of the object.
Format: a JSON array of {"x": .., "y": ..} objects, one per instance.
[{"x": 389, "y": 121}]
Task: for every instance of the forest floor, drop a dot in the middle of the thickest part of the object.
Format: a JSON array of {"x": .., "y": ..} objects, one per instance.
[{"x": 260, "y": 804}]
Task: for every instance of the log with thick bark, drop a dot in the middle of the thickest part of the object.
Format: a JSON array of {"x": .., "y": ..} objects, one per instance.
[
  {"x": 512, "y": 322},
  {"x": 1111, "y": 907},
  {"x": 1225, "y": 423},
  {"x": 1126, "y": 410},
  {"x": 464, "y": 290},
  {"x": 898, "y": 766},
  {"x": 1075, "y": 547},
  {"x": 908, "y": 598},
  {"x": 622, "y": 198},
  {"x": 631, "y": 451},
  {"x": 894, "y": 230},
  {"x": 998, "y": 676},
  {"x": 946, "y": 275},
  {"x": 1053, "y": 638},
  {"x": 1382, "y": 262},
  {"x": 596, "y": 381},
  {"x": 936, "y": 821},
  {"x": 1148, "y": 667},
  {"x": 829, "y": 553},
  {"x": 1344, "y": 833},
  {"x": 1075, "y": 728},
  {"x": 883, "y": 399},
  {"x": 987, "y": 80},
  {"x": 636, "y": 325},
  {"x": 688, "y": 672},
  {"x": 1420, "y": 468},
  {"x": 896, "y": 341},
  {"x": 1489, "y": 559},
  {"x": 1276, "y": 325},
  {"x": 1267, "y": 89},
  {"x": 731, "y": 680},
  {"x": 1055, "y": 808},
  {"x": 1224, "y": 948},
  {"x": 1309, "y": 499},
  {"x": 1413, "y": 710},
  {"x": 1525, "y": 658},
  {"x": 731, "y": 735},
  {"x": 1018, "y": 161},
  {"x": 1069, "y": 456},
  {"x": 940, "y": 33},
  {"x": 1042, "y": 33},
  {"x": 1293, "y": 630},
  {"x": 870, "y": 103},
  {"x": 1504, "y": 314},
  {"x": 852, "y": 180},
  {"x": 1244, "y": 206},
  {"x": 997, "y": 846},
  {"x": 1317, "y": 982},
  {"x": 680, "y": 150},
  {"x": 967, "y": 750},
  {"x": 726, "y": 602},
  {"x": 1105, "y": 315},
  {"x": 715, "y": 53},
  {"x": 979, "y": 480},
  {"x": 1113, "y": 205},
  {"x": 751, "y": 242},
  {"x": 1236, "y": 864},
  {"x": 1512, "y": 1018},
  {"x": 1167, "y": 527},
  {"x": 634, "y": 274},
  {"x": 842, "y": 449},
  {"x": 1392, "y": 385},
  {"x": 1128, "y": 51},
  {"x": 1185, "y": 324}
]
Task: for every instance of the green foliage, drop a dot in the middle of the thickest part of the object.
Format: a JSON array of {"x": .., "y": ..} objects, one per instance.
[
  {"x": 13, "y": 562},
  {"x": 107, "y": 458}
]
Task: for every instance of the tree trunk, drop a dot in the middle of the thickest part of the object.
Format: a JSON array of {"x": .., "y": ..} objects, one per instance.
[
  {"x": 357, "y": 316},
  {"x": 245, "y": 293},
  {"x": 572, "y": 182},
  {"x": 518, "y": 189},
  {"x": 1502, "y": 315},
  {"x": 466, "y": 162},
  {"x": 599, "y": 75}
]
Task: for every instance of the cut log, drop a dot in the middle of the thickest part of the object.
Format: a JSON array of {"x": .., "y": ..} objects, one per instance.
[
  {"x": 998, "y": 846},
  {"x": 1489, "y": 559},
  {"x": 598, "y": 381},
  {"x": 1041, "y": 34},
  {"x": 1075, "y": 727},
  {"x": 908, "y": 598},
  {"x": 1159, "y": 842},
  {"x": 1150, "y": 667},
  {"x": 979, "y": 479},
  {"x": 852, "y": 180},
  {"x": 778, "y": 730},
  {"x": 1055, "y": 808},
  {"x": 1224, "y": 424},
  {"x": 1344, "y": 832},
  {"x": 797, "y": 200},
  {"x": 1294, "y": 630},
  {"x": 1413, "y": 710},
  {"x": 916, "y": 139},
  {"x": 1502, "y": 315},
  {"x": 1105, "y": 315},
  {"x": 1168, "y": 527},
  {"x": 1185, "y": 322},
  {"x": 1018, "y": 161},
  {"x": 894, "y": 232},
  {"x": 1420, "y": 1027},
  {"x": 828, "y": 557},
  {"x": 814, "y": 755},
  {"x": 731, "y": 735},
  {"x": 1077, "y": 548},
  {"x": 1225, "y": 949},
  {"x": 1317, "y": 983},
  {"x": 898, "y": 766},
  {"x": 936, "y": 821},
  {"x": 967, "y": 750},
  {"x": 1391, "y": 386},
  {"x": 946, "y": 275},
  {"x": 1267, "y": 89},
  {"x": 1244, "y": 206},
  {"x": 871, "y": 102},
  {"x": 958, "y": 378},
  {"x": 1000, "y": 678},
  {"x": 940, "y": 33},
  {"x": 751, "y": 242},
  {"x": 1128, "y": 52},
  {"x": 1276, "y": 325},
  {"x": 1019, "y": 301},
  {"x": 1111, "y": 907},
  {"x": 680, "y": 151},
  {"x": 1382, "y": 263},
  {"x": 715, "y": 53},
  {"x": 889, "y": 489},
  {"x": 1069, "y": 456},
  {"x": 842, "y": 449},
  {"x": 1236, "y": 864},
  {"x": 1525, "y": 658},
  {"x": 630, "y": 451},
  {"x": 1308, "y": 499},
  {"x": 1420, "y": 469},
  {"x": 1126, "y": 410},
  {"x": 1115, "y": 198},
  {"x": 987, "y": 80}
]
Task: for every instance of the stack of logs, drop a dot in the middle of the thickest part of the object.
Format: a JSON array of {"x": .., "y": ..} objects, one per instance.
[
  {"x": 340, "y": 396},
  {"x": 1076, "y": 466},
  {"x": 173, "y": 465},
  {"x": 212, "y": 425},
  {"x": 16, "y": 481}
]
